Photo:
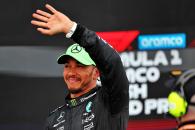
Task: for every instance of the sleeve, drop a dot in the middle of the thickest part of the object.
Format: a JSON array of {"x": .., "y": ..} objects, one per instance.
[
  {"x": 112, "y": 73},
  {"x": 48, "y": 122},
  {"x": 46, "y": 125}
]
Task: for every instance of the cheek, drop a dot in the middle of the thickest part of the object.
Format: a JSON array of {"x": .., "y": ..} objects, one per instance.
[
  {"x": 64, "y": 74},
  {"x": 86, "y": 76}
]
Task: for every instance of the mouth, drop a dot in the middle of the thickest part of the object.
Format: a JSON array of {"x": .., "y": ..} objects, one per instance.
[{"x": 73, "y": 80}]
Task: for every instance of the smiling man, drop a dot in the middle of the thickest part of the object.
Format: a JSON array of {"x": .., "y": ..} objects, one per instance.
[
  {"x": 80, "y": 71},
  {"x": 88, "y": 106}
]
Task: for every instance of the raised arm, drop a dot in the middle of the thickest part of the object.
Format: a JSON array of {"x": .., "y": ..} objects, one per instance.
[{"x": 113, "y": 76}]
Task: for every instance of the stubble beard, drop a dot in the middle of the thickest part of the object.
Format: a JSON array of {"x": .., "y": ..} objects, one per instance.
[
  {"x": 82, "y": 86},
  {"x": 75, "y": 91}
]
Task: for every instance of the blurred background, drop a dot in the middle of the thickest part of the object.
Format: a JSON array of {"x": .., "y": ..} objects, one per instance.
[{"x": 152, "y": 37}]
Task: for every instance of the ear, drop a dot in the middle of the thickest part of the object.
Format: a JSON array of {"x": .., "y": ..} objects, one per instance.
[
  {"x": 193, "y": 98},
  {"x": 96, "y": 73}
]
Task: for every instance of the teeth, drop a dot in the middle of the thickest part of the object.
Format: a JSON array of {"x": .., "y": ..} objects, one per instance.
[{"x": 72, "y": 80}]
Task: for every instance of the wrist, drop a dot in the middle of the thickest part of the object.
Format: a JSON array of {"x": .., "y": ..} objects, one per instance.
[{"x": 71, "y": 30}]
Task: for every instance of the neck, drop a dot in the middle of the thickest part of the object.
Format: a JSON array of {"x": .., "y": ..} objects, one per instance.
[{"x": 84, "y": 91}]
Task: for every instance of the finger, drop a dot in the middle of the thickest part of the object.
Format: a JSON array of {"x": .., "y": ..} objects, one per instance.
[
  {"x": 44, "y": 31},
  {"x": 40, "y": 24},
  {"x": 51, "y": 8},
  {"x": 48, "y": 15},
  {"x": 40, "y": 17}
]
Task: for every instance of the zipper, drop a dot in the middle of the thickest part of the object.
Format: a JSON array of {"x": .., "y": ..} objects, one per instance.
[{"x": 70, "y": 120}]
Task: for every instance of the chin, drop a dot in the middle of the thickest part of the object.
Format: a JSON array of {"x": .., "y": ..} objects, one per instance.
[{"x": 75, "y": 91}]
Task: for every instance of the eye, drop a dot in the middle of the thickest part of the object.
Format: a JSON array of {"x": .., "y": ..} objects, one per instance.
[
  {"x": 66, "y": 65},
  {"x": 80, "y": 65}
]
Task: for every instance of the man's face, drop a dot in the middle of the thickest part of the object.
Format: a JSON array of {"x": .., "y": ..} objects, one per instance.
[{"x": 78, "y": 77}]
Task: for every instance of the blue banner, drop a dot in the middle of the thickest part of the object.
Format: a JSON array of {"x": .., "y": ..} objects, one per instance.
[{"x": 162, "y": 41}]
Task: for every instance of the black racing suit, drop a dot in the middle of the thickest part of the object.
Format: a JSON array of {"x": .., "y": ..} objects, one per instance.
[{"x": 105, "y": 107}]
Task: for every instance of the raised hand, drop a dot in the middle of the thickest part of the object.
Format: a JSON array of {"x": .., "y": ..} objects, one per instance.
[{"x": 50, "y": 23}]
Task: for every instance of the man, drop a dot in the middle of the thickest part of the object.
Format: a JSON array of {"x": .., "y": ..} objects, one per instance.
[
  {"x": 187, "y": 121},
  {"x": 88, "y": 106},
  {"x": 182, "y": 100}
]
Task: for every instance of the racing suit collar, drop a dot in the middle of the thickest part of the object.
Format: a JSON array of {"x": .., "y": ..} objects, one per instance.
[{"x": 76, "y": 101}]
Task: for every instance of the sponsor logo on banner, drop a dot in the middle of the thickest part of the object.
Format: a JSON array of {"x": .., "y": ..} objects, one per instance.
[
  {"x": 162, "y": 41},
  {"x": 146, "y": 72},
  {"x": 120, "y": 40}
]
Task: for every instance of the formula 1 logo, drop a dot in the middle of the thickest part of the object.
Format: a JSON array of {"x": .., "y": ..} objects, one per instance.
[{"x": 120, "y": 40}]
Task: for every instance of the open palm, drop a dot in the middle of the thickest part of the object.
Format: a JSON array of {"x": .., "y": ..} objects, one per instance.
[{"x": 51, "y": 23}]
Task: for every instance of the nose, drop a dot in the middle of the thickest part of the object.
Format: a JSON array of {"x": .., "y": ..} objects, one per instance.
[{"x": 72, "y": 71}]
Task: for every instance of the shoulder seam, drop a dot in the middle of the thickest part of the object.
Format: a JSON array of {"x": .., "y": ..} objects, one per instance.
[{"x": 58, "y": 108}]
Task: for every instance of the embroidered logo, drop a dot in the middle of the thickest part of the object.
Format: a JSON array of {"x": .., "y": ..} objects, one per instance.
[
  {"x": 61, "y": 128},
  {"x": 88, "y": 107},
  {"x": 60, "y": 119},
  {"x": 73, "y": 102},
  {"x": 89, "y": 126},
  {"x": 88, "y": 119},
  {"x": 76, "y": 49}
]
